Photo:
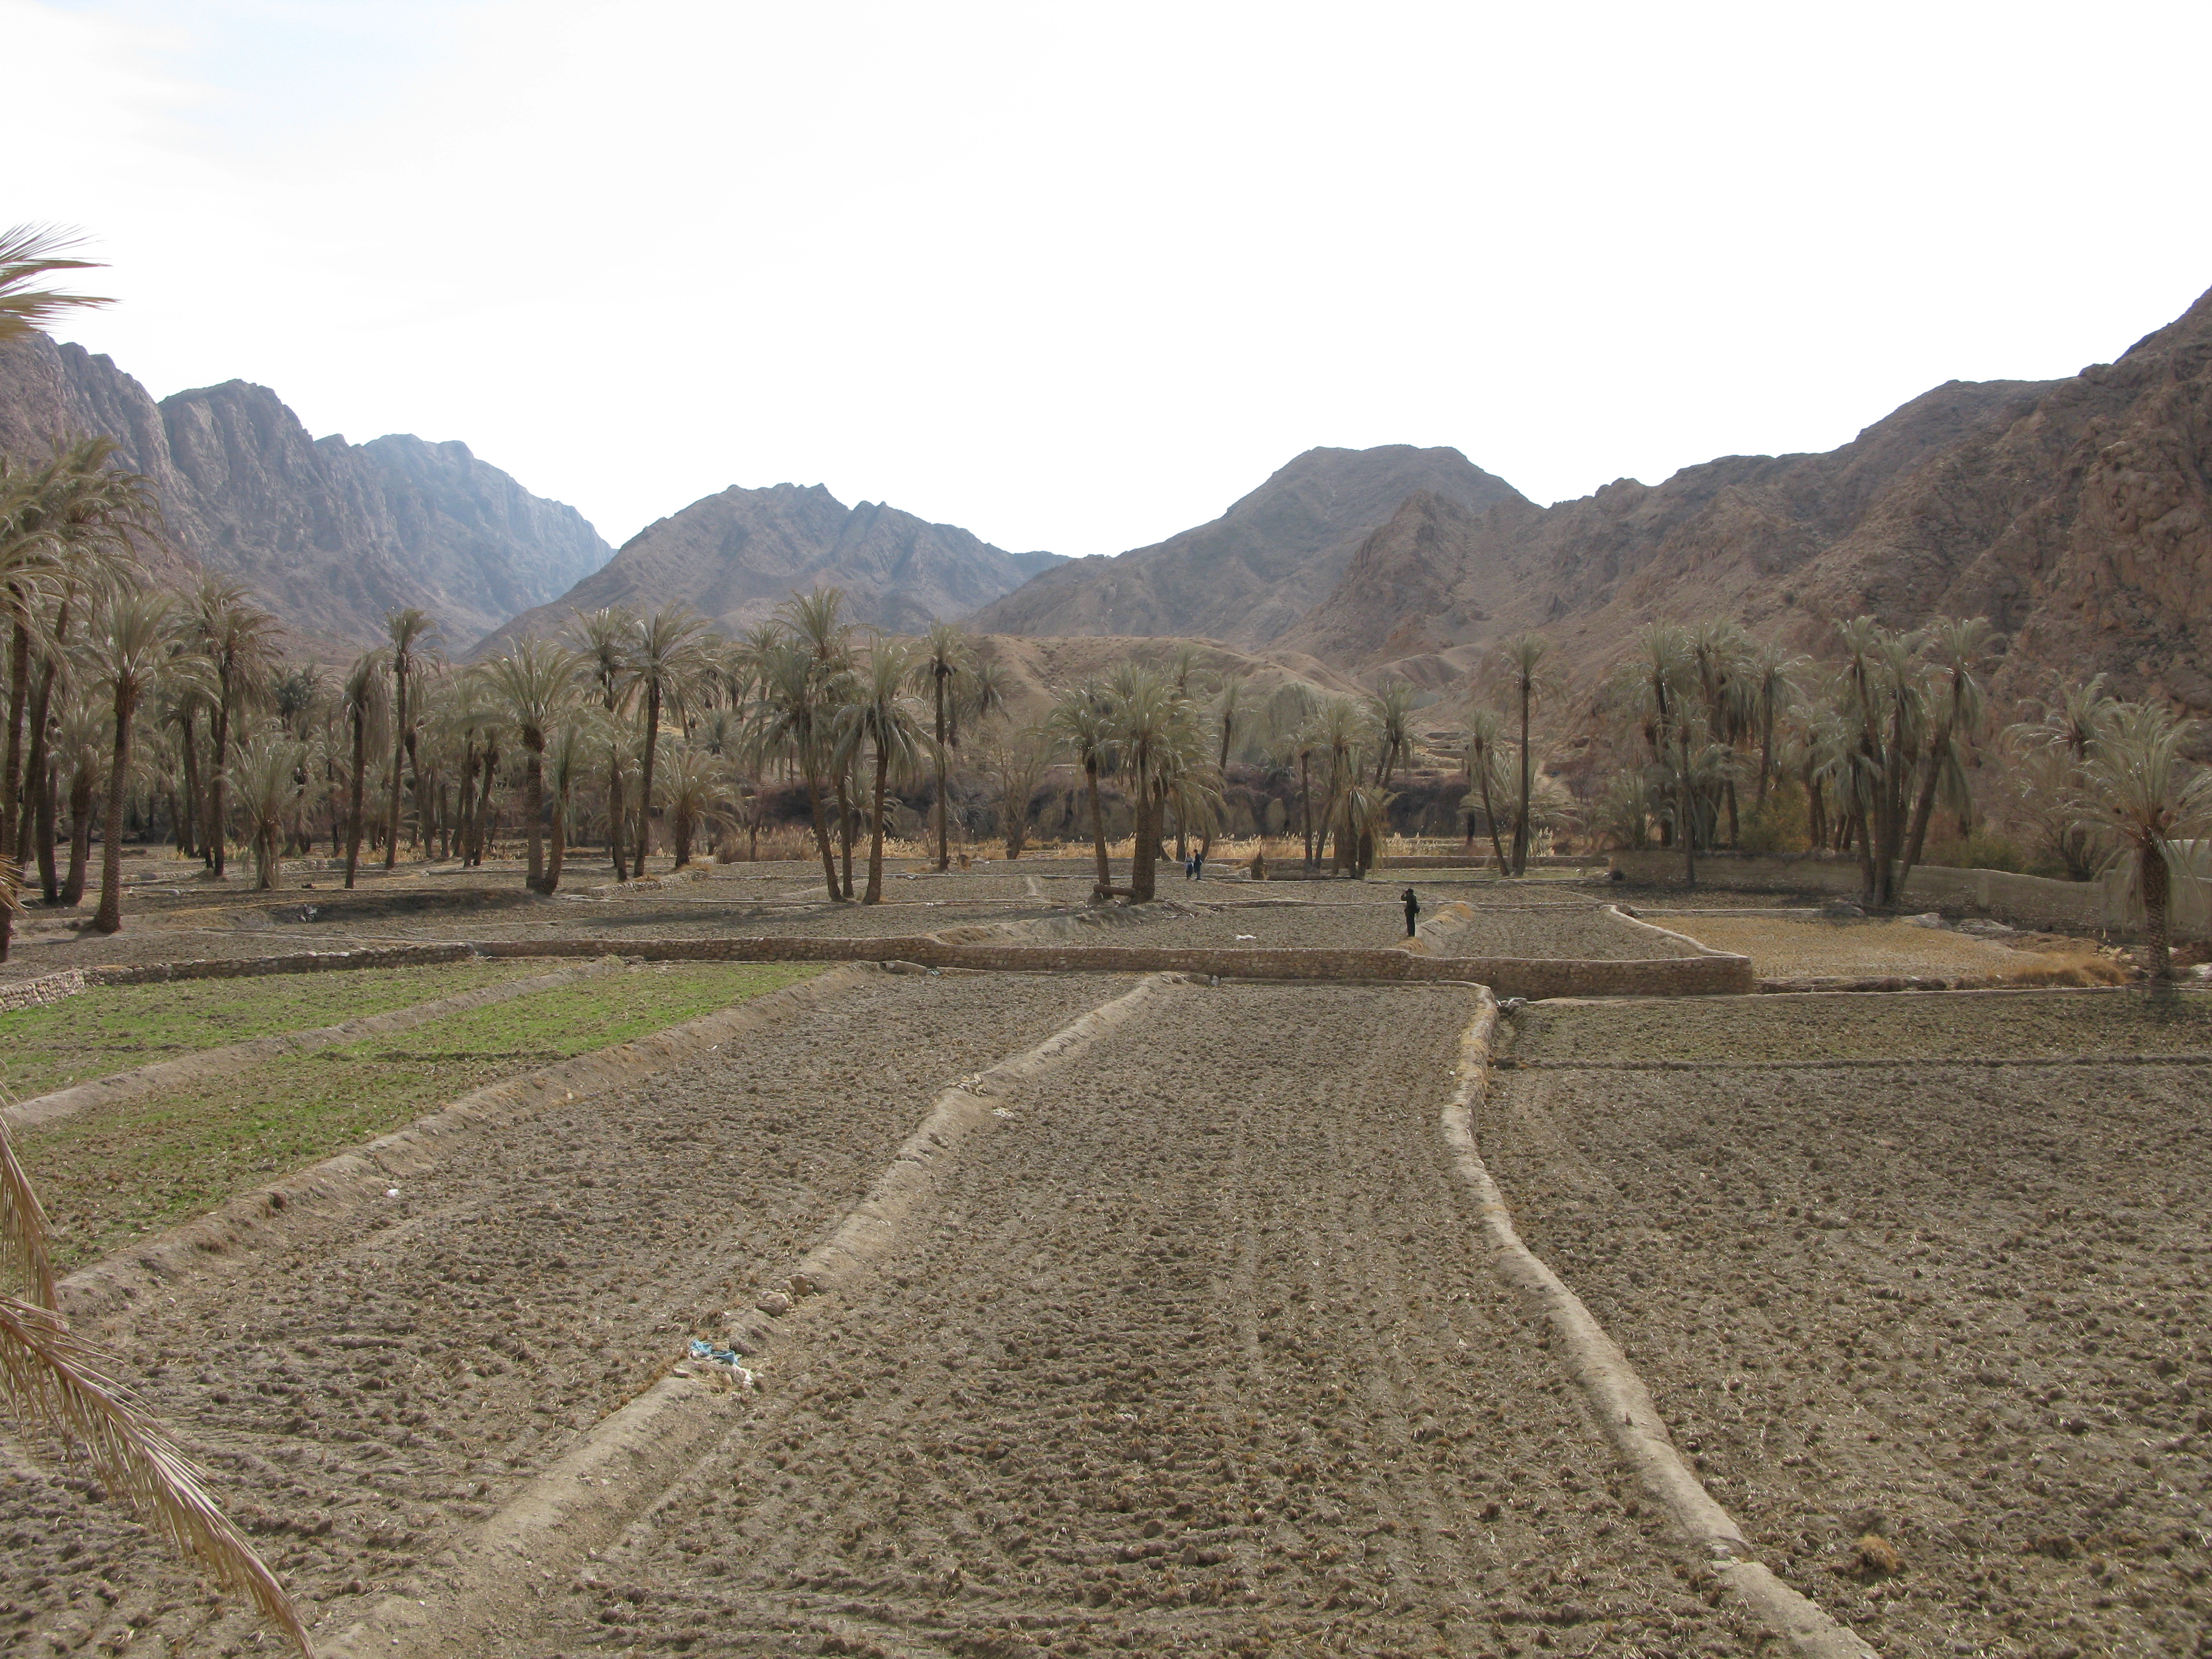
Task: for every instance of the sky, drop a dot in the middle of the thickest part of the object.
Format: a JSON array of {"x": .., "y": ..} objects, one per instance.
[{"x": 1077, "y": 277}]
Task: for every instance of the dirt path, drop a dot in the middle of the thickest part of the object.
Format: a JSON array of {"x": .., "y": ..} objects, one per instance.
[
  {"x": 360, "y": 1400},
  {"x": 1923, "y": 1293},
  {"x": 1194, "y": 1353}
]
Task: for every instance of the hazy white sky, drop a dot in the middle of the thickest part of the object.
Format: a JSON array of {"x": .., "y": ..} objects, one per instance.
[{"x": 1076, "y": 278}]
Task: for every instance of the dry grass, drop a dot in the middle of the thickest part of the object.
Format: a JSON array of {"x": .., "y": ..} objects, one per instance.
[{"x": 1782, "y": 949}]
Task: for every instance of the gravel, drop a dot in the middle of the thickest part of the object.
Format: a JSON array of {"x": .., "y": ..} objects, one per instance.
[
  {"x": 1196, "y": 1352},
  {"x": 361, "y": 1392},
  {"x": 1946, "y": 1296}
]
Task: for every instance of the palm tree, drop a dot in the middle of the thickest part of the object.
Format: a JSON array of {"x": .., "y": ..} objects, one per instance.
[
  {"x": 606, "y": 639},
  {"x": 2140, "y": 795},
  {"x": 1149, "y": 715},
  {"x": 1485, "y": 738},
  {"x": 1391, "y": 709},
  {"x": 1886, "y": 707},
  {"x": 944, "y": 654},
  {"x": 804, "y": 683},
  {"x": 1519, "y": 664},
  {"x": 2051, "y": 750},
  {"x": 694, "y": 782},
  {"x": 667, "y": 662},
  {"x": 1340, "y": 730},
  {"x": 1959, "y": 649},
  {"x": 265, "y": 779},
  {"x": 128, "y": 648},
  {"x": 1772, "y": 673},
  {"x": 28, "y": 255},
  {"x": 80, "y": 753},
  {"x": 364, "y": 701},
  {"x": 879, "y": 717},
  {"x": 1082, "y": 720},
  {"x": 92, "y": 511},
  {"x": 535, "y": 684},
  {"x": 239, "y": 640},
  {"x": 578, "y": 746},
  {"x": 411, "y": 632}
]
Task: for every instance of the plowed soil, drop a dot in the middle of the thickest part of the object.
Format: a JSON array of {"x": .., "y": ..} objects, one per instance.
[
  {"x": 361, "y": 1392},
  {"x": 1194, "y": 1353},
  {"x": 1931, "y": 1267}
]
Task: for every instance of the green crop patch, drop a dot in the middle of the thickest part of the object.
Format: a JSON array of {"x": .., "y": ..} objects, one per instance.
[
  {"x": 116, "y": 1028},
  {"x": 112, "y": 1174}
]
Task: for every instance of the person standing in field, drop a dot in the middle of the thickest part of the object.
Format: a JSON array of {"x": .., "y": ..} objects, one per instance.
[{"x": 1413, "y": 910}]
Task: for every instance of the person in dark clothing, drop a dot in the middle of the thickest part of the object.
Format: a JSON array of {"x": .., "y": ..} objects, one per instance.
[
  {"x": 1198, "y": 865},
  {"x": 1413, "y": 910}
]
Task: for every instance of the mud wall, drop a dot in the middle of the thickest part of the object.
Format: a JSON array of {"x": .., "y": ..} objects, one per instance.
[{"x": 1712, "y": 975}]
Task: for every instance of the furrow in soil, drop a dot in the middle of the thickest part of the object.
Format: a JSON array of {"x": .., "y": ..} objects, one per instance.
[
  {"x": 1196, "y": 1352},
  {"x": 359, "y": 1401}
]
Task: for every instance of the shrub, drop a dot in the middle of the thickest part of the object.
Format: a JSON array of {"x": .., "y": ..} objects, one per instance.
[
  {"x": 1983, "y": 850},
  {"x": 1776, "y": 824}
]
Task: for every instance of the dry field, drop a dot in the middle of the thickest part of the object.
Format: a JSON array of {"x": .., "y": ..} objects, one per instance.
[
  {"x": 1195, "y": 1353},
  {"x": 1195, "y": 1346},
  {"x": 1785, "y": 947},
  {"x": 1934, "y": 1266}
]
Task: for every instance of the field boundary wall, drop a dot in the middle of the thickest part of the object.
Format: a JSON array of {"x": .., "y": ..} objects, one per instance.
[
  {"x": 1712, "y": 974},
  {"x": 2105, "y": 904}
]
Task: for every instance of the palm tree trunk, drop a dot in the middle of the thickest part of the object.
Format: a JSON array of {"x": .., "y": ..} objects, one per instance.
[
  {"x": 109, "y": 917},
  {"x": 399, "y": 754},
  {"x": 1521, "y": 824},
  {"x": 875, "y": 893},
  {"x": 1923, "y": 806},
  {"x": 188, "y": 840},
  {"x": 558, "y": 853},
  {"x": 79, "y": 836},
  {"x": 356, "y": 792},
  {"x": 47, "y": 809},
  {"x": 944, "y": 845},
  {"x": 614, "y": 819},
  {"x": 1689, "y": 814},
  {"x": 815, "y": 805},
  {"x": 845, "y": 829},
  {"x": 19, "y": 687},
  {"x": 533, "y": 810},
  {"x": 1145, "y": 856},
  {"x": 1305, "y": 806},
  {"x": 2157, "y": 891},
  {"x": 218, "y": 824},
  {"x": 643, "y": 839},
  {"x": 1490, "y": 818},
  {"x": 480, "y": 830},
  {"x": 1098, "y": 824}
]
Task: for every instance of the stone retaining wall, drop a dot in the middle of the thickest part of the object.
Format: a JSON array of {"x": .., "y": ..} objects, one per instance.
[{"x": 37, "y": 993}]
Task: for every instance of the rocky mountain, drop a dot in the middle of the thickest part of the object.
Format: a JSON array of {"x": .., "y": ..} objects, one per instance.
[
  {"x": 330, "y": 535},
  {"x": 2076, "y": 514},
  {"x": 1249, "y": 575},
  {"x": 736, "y": 557}
]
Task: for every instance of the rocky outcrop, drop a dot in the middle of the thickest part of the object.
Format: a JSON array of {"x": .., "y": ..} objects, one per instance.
[
  {"x": 736, "y": 557},
  {"x": 330, "y": 535},
  {"x": 1249, "y": 575}
]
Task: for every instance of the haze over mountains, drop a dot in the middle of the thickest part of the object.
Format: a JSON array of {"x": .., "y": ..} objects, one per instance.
[{"x": 2075, "y": 513}]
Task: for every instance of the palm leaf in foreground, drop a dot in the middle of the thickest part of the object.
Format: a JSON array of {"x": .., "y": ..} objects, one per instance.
[{"x": 52, "y": 1383}]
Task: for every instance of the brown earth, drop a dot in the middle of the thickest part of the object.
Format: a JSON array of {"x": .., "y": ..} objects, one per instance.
[
  {"x": 1898, "y": 1278},
  {"x": 1196, "y": 1352},
  {"x": 362, "y": 1394}
]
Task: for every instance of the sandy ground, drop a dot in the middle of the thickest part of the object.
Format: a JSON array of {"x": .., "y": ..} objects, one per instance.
[
  {"x": 1789, "y": 948},
  {"x": 361, "y": 1393},
  {"x": 1195, "y": 1353},
  {"x": 1883, "y": 1275}
]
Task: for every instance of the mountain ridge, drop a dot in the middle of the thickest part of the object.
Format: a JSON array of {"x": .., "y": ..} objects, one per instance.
[
  {"x": 329, "y": 535},
  {"x": 737, "y": 554}
]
